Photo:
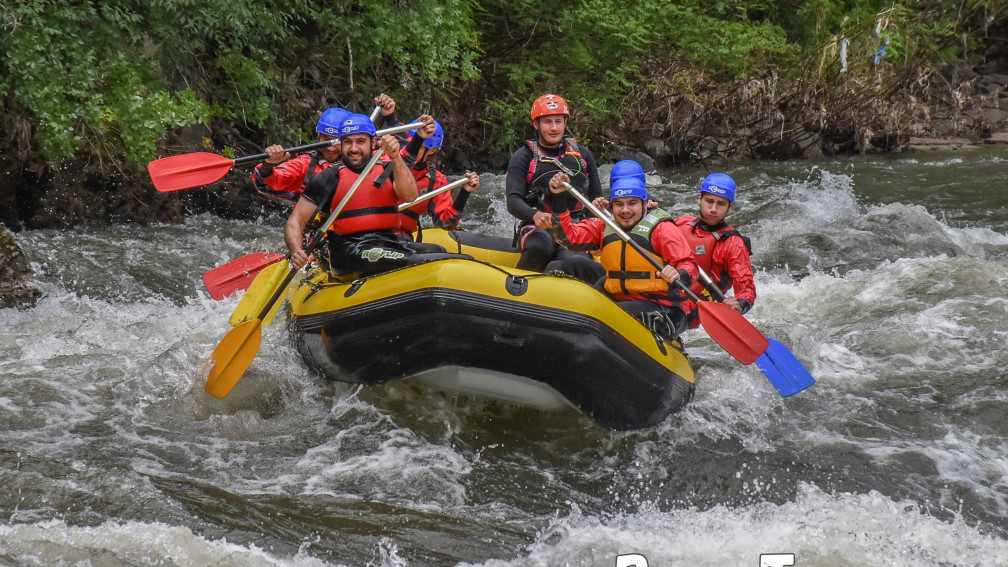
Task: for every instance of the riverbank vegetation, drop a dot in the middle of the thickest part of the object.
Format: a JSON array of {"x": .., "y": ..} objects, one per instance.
[{"x": 94, "y": 90}]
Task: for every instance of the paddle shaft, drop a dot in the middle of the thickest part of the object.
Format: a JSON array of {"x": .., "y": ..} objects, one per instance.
[
  {"x": 626, "y": 238},
  {"x": 316, "y": 238},
  {"x": 295, "y": 150},
  {"x": 333, "y": 142},
  {"x": 434, "y": 193},
  {"x": 710, "y": 286},
  {"x": 327, "y": 143}
]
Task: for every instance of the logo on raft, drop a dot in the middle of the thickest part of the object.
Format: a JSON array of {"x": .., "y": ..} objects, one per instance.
[{"x": 375, "y": 254}]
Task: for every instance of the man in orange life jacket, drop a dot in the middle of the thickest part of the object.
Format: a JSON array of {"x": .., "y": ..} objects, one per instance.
[
  {"x": 425, "y": 142},
  {"x": 362, "y": 239},
  {"x": 719, "y": 249},
  {"x": 527, "y": 183},
  {"x": 629, "y": 277},
  {"x": 282, "y": 177}
]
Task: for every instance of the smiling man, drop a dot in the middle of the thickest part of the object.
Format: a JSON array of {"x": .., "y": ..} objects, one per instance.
[
  {"x": 629, "y": 277},
  {"x": 362, "y": 239},
  {"x": 528, "y": 175}
]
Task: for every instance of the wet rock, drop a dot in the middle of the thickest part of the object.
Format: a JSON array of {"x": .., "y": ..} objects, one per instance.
[
  {"x": 932, "y": 144},
  {"x": 15, "y": 274}
]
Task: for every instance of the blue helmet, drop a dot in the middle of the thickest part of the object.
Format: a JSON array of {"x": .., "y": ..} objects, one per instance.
[
  {"x": 628, "y": 187},
  {"x": 435, "y": 140},
  {"x": 357, "y": 124},
  {"x": 626, "y": 168},
  {"x": 719, "y": 184},
  {"x": 331, "y": 120}
]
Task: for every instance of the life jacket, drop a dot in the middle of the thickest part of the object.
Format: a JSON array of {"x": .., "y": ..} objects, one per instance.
[
  {"x": 370, "y": 208},
  {"x": 703, "y": 245},
  {"x": 410, "y": 218},
  {"x": 629, "y": 273},
  {"x": 314, "y": 167},
  {"x": 541, "y": 170}
]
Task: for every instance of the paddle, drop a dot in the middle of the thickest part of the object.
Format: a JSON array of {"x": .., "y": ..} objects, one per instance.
[
  {"x": 726, "y": 326},
  {"x": 434, "y": 193},
  {"x": 777, "y": 363},
  {"x": 238, "y": 274},
  {"x": 239, "y": 347},
  {"x": 186, "y": 171}
]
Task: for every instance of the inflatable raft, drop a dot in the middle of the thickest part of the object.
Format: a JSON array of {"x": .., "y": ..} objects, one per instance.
[{"x": 480, "y": 327}]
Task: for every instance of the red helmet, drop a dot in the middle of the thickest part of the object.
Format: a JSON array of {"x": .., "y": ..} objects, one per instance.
[{"x": 549, "y": 104}]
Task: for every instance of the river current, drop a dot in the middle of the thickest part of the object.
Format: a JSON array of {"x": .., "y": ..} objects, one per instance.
[{"x": 887, "y": 276}]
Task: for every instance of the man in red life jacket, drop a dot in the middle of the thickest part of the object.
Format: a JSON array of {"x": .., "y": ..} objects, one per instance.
[
  {"x": 719, "y": 249},
  {"x": 527, "y": 183},
  {"x": 425, "y": 142},
  {"x": 362, "y": 239},
  {"x": 629, "y": 277},
  {"x": 285, "y": 178}
]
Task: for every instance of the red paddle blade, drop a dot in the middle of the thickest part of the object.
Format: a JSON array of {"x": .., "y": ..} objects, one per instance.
[
  {"x": 188, "y": 170},
  {"x": 732, "y": 331},
  {"x": 237, "y": 274}
]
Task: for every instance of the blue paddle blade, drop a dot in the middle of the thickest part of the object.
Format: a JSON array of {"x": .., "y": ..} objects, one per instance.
[{"x": 783, "y": 370}]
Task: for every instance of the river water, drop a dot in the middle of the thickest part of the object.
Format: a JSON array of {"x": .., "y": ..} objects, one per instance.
[{"x": 887, "y": 276}]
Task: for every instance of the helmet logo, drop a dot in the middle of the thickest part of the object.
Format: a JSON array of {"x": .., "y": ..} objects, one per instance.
[
  {"x": 621, "y": 192},
  {"x": 715, "y": 189},
  {"x": 552, "y": 105}
]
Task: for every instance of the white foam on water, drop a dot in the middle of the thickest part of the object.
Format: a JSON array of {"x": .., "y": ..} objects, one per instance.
[
  {"x": 820, "y": 529},
  {"x": 372, "y": 461},
  {"x": 132, "y": 543}
]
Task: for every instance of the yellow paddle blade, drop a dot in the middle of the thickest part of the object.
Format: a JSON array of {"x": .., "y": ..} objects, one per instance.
[
  {"x": 259, "y": 293},
  {"x": 233, "y": 356}
]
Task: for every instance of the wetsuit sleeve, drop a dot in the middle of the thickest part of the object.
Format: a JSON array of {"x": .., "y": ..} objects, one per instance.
[
  {"x": 733, "y": 255},
  {"x": 669, "y": 242},
  {"x": 515, "y": 185},
  {"x": 412, "y": 150},
  {"x": 594, "y": 183},
  {"x": 581, "y": 236},
  {"x": 391, "y": 121},
  {"x": 460, "y": 200}
]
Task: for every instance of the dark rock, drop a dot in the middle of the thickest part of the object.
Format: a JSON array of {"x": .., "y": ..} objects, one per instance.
[
  {"x": 15, "y": 274},
  {"x": 640, "y": 157}
]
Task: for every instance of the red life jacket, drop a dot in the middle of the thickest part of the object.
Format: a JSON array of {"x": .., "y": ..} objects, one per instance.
[
  {"x": 370, "y": 208},
  {"x": 410, "y": 218},
  {"x": 703, "y": 243}
]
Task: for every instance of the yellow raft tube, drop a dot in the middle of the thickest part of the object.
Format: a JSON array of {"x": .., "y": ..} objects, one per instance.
[{"x": 479, "y": 326}]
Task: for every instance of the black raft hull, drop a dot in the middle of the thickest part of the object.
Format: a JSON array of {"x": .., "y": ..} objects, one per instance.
[{"x": 468, "y": 326}]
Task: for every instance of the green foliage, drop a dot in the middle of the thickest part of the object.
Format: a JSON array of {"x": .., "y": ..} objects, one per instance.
[
  {"x": 115, "y": 77},
  {"x": 95, "y": 87}
]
